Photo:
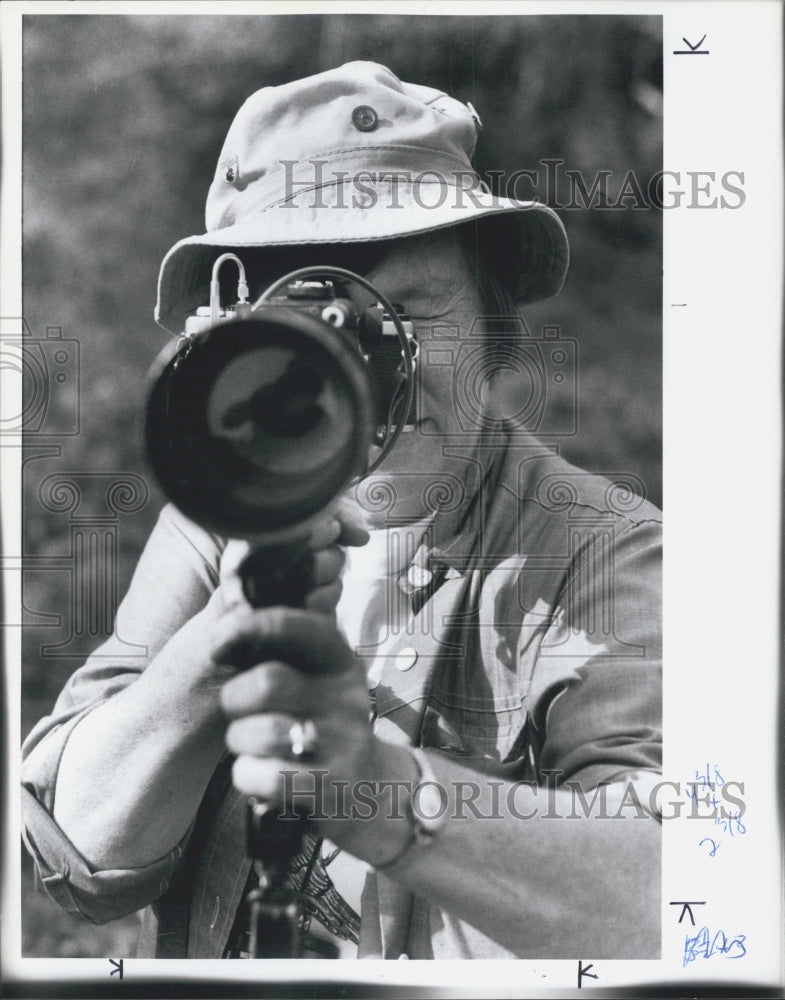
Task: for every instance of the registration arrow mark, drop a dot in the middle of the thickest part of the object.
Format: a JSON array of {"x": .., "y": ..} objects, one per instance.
[{"x": 692, "y": 50}]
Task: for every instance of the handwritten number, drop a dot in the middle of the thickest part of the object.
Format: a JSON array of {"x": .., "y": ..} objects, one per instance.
[
  {"x": 704, "y": 946},
  {"x": 714, "y": 845},
  {"x": 736, "y": 817},
  {"x": 704, "y": 779},
  {"x": 732, "y": 824}
]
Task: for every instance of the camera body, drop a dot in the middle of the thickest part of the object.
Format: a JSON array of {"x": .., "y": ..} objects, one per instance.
[
  {"x": 506, "y": 378},
  {"x": 371, "y": 333},
  {"x": 262, "y": 414}
]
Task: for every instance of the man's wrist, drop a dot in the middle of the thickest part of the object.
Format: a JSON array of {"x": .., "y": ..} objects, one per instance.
[
  {"x": 379, "y": 829},
  {"x": 425, "y": 810}
]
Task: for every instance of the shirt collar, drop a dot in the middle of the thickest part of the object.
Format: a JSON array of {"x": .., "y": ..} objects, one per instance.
[{"x": 452, "y": 541}]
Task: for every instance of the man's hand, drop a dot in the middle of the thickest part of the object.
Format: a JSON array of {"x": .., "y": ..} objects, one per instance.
[
  {"x": 303, "y": 669},
  {"x": 338, "y": 527},
  {"x": 297, "y": 666}
]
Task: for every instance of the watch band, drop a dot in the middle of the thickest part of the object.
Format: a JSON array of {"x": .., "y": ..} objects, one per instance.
[
  {"x": 426, "y": 809},
  {"x": 428, "y": 804}
]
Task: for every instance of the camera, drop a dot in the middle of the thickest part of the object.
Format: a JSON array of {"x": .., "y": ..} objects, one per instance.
[
  {"x": 264, "y": 413},
  {"x": 49, "y": 372},
  {"x": 508, "y": 379},
  {"x": 372, "y": 333}
]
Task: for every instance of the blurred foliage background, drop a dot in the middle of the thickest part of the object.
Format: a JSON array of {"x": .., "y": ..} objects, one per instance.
[{"x": 123, "y": 119}]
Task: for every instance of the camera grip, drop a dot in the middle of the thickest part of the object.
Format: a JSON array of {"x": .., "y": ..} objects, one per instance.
[
  {"x": 278, "y": 575},
  {"x": 274, "y": 835},
  {"x": 274, "y": 575}
]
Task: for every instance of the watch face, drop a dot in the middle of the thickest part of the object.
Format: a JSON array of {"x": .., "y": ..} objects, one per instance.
[{"x": 429, "y": 804}]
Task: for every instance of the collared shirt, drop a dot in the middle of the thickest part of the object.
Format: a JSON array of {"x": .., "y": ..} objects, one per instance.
[{"x": 534, "y": 646}]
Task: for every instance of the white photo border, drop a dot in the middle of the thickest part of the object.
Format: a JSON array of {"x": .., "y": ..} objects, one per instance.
[{"x": 722, "y": 330}]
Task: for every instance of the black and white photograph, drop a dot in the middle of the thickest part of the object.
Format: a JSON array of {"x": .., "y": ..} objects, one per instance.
[{"x": 339, "y": 442}]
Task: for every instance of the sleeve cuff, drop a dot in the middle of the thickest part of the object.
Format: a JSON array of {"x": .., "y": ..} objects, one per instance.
[{"x": 98, "y": 896}]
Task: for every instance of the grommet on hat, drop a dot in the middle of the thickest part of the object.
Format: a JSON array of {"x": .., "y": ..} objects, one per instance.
[
  {"x": 229, "y": 167},
  {"x": 351, "y": 155},
  {"x": 364, "y": 118}
]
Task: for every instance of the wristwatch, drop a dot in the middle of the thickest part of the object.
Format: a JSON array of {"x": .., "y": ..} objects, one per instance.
[{"x": 426, "y": 808}]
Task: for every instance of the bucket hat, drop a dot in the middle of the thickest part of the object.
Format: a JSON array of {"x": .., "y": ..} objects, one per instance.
[{"x": 351, "y": 155}]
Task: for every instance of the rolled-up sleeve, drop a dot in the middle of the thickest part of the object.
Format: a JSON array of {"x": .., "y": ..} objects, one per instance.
[
  {"x": 98, "y": 896},
  {"x": 175, "y": 577},
  {"x": 597, "y": 687}
]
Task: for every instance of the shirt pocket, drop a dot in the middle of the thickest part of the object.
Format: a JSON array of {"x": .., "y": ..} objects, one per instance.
[{"x": 495, "y": 729}]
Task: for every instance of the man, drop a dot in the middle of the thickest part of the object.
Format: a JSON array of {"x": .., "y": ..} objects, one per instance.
[{"x": 493, "y": 635}]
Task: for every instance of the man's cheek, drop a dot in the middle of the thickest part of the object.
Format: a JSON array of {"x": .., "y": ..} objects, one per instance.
[{"x": 436, "y": 384}]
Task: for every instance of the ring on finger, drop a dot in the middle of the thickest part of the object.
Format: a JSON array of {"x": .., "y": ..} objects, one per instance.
[{"x": 303, "y": 739}]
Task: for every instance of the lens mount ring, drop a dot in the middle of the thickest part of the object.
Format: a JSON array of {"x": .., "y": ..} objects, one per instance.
[{"x": 406, "y": 349}]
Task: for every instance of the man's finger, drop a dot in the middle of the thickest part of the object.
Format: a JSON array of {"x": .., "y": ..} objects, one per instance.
[
  {"x": 262, "y": 777},
  {"x": 305, "y": 640},
  {"x": 350, "y": 518},
  {"x": 325, "y": 599},
  {"x": 266, "y": 687},
  {"x": 327, "y": 565},
  {"x": 264, "y": 735},
  {"x": 325, "y": 530}
]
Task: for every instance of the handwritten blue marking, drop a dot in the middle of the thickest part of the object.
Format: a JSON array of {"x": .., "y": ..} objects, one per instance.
[
  {"x": 705, "y": 780},
  {"x": 714, "y": 845},
  {"x": 732, "y": 824},
  {"x": 703, "y": 945}
]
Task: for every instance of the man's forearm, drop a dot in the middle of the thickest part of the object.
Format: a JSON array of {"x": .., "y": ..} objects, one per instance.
[
  {"x": 134, "y": 770},
  {"x": 538, "y": 883}
]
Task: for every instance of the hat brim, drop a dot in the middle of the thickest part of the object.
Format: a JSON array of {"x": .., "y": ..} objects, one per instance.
[{"x": 541, "y": 250}]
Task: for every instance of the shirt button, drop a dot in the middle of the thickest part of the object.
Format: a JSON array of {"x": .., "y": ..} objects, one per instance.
[
  {"x": 406, "y": 659},
  {"x": 364, "y": 118},
  {"x": 419, "y": 576}
]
